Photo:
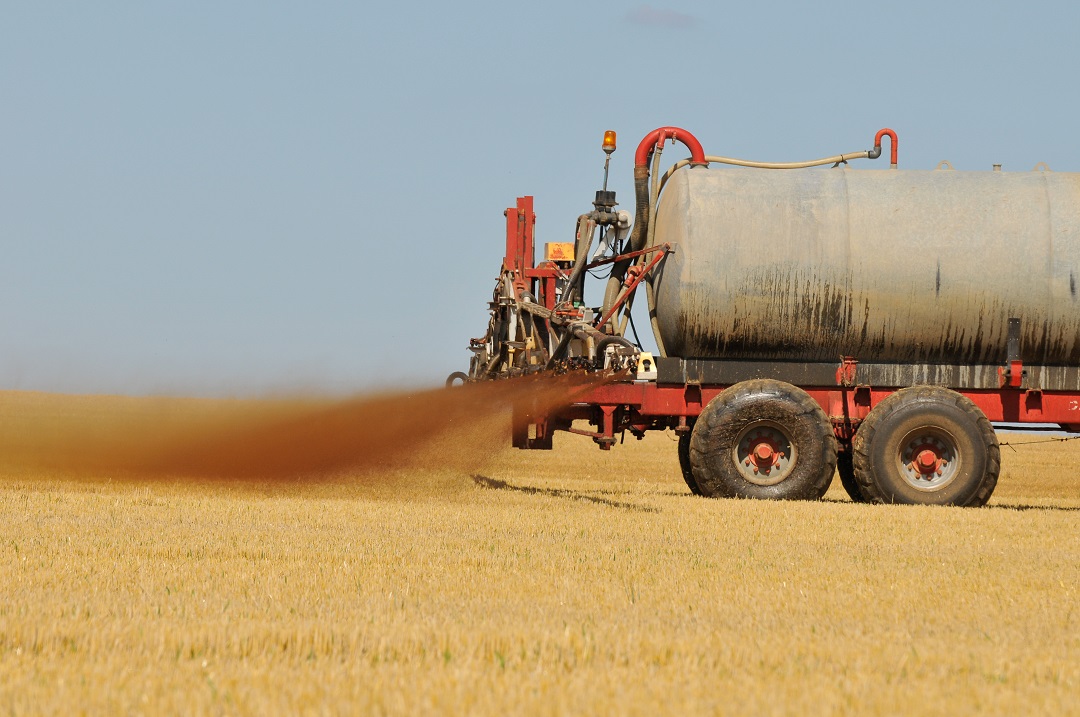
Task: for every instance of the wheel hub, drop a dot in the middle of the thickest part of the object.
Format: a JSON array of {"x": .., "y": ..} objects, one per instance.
[
  {"x": 928, "y": 462},
  {"x": 927, "y": 459},
  {"x": 764, "y": 454}
]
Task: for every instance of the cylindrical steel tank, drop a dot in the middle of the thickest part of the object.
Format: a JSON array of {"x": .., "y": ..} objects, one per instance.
[{"x": 883, "y": 265}]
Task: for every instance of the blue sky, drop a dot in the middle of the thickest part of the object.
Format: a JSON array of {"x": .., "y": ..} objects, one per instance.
[{"x": 244, "y": 198}]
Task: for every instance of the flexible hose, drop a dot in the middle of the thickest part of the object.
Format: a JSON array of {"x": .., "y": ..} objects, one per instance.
[
  {"x": 654, "y": 199},
  {"x": 602, "y": 344},
  {"x": 650, "y": 294},
  {"x": 643, "y": 201},
  {"x": 650, "y": 291},
  {"x": 629, "y": 306},
  {"x": 582, "y": 242},
  {"x": 838, "y": 159},
  {"x": 637, "y": 238}
]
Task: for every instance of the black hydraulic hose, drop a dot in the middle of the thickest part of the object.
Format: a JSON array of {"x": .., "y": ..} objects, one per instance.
[
  {"x": 585, "y": 332},
  {"x": 556, "y": 355},
  {"x": 641, "y": 209},
  {"x": 609, "y": 340},
  {"x": 638, "y": 237},
  {"x": 602, "y": 344}
]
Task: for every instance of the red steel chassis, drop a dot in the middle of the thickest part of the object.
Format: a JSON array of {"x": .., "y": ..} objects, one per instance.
[{"x": 639, "y": 406}]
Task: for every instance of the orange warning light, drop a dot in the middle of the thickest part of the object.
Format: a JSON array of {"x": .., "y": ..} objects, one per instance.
[{"x": 609, "y": 141}]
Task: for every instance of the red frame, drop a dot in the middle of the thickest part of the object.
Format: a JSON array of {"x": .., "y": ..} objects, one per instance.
[
  {"x": 520, "y": 253},
  {"x": 639, "y": 406}
]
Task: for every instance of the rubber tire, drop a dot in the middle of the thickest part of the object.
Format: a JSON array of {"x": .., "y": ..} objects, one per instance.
[
  {"x": 877, "y": 442},
  {"x": 684, "y": 463},
  {"x": 846, "y": 470},
  {"x": 720, "y": 424},
  {"x": 451, "y": 380}
]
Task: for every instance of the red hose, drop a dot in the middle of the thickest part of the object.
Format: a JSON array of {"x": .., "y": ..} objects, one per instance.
[
  {"x": 892, "y": 142},
  {"x": 648, "y": 144}
]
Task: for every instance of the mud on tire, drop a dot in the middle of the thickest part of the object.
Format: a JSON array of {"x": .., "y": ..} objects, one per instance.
[
  {"x": 845, "y": 468},
  {"x": 763, "y": 439},
  {"x": 684, "y": 463},
  {"x": 926, "y": 445}
]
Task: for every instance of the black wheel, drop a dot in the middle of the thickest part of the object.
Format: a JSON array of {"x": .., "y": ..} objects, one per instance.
[
  {"x": 457, "y": 378},
  {"x": 763, "y": 439},
  {"x": 846, "y": 470},
  {"x": 926, "y": 445},
  {"x": 684, "y": 463}
]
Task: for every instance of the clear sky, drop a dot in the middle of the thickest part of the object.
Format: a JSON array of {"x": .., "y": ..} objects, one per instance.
[{"x": 238, "y": 198}]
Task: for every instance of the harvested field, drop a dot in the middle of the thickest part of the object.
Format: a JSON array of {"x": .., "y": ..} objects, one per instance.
[{"x": 448, "y": 573}]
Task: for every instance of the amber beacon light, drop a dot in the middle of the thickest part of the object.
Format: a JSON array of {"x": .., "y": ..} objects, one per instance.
[{"x": 609, "y": 141}]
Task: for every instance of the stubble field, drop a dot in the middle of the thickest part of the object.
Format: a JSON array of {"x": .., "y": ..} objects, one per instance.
[{"x": 451, "y": 574}]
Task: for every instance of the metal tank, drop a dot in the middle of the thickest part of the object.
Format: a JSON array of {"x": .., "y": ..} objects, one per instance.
[{"x": 889, "y": 266}]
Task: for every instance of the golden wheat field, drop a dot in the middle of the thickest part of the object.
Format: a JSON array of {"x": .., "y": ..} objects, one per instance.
[{"x": 163, "y": 557}]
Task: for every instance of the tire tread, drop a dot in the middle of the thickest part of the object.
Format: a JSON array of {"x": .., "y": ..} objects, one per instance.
[
  {"x": 864, "y": 440},
  {"x": 713, "y": 415}
]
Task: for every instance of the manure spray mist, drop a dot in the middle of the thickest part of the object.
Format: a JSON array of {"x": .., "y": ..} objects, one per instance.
[{"x": 298, "y": 440}]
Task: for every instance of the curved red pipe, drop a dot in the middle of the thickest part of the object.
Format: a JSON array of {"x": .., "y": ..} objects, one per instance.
[
  {"x": 648, "y": 144},
  {"x": 886, "y": 132}
]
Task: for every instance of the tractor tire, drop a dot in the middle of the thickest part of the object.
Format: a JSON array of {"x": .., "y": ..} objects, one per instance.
[
  {"x": 926, "y": 445},
  {"x": 457, "y": 378},
  {"x": 763, "y": 439},
  {"x": 846, "y": 469},
  {"x": 684, "y": 463}
]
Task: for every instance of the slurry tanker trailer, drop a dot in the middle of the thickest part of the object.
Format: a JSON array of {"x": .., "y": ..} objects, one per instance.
[{"x": 809, "y": 317}]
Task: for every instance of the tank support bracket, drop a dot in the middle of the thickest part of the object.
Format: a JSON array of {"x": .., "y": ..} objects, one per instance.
[{"x": 1012, "y": 375}]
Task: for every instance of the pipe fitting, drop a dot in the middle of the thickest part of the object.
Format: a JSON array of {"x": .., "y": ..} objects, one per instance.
[
  {"x": 876, "y": 151},
  {"x": 662, "y": 134}
]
